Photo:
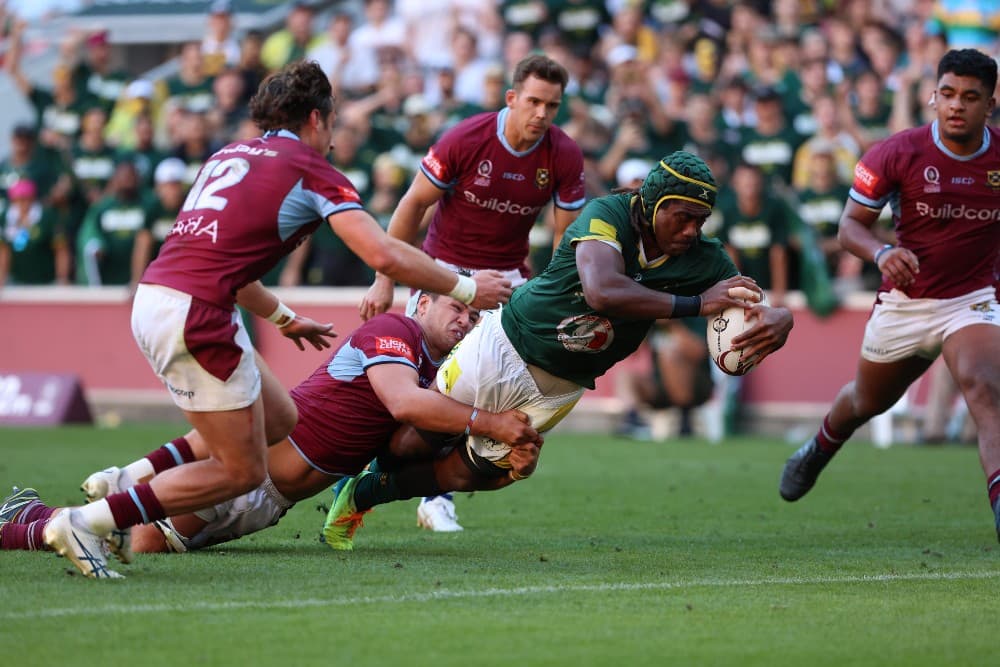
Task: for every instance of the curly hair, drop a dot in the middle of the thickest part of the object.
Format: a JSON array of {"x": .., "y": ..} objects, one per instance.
[
  {"x": 970, "y": 62},
  {"x": 285, "y": 98}
]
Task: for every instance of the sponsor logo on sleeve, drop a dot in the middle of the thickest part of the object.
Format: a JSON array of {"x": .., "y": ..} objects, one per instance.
[
  {"x": 348, "y": 194},
  {"x": 394, "y": 346},
  {"x": 434, "y": 165},
  {"x": 865, "y": 180}
]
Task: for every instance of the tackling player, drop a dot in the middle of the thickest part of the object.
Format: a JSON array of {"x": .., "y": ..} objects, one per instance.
[
  {"x": 251, "y": 204},
  {"x": 348, "y": 410},
  {"x": 939, "y": 282},
  {"x": 490, "y": 176}
]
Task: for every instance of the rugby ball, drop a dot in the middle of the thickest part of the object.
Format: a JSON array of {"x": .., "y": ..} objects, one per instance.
[{"x": 722, "y": 328}]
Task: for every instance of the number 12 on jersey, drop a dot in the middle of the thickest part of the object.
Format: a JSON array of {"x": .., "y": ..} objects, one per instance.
[{"x": 216, "y": 175}]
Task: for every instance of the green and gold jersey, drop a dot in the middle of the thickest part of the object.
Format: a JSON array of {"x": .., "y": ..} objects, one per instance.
[
  {"x": 549, "y": 321},
  {"x": 111, "y": 226}
]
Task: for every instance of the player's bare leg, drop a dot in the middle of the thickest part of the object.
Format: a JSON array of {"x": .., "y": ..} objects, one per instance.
[
  {"x": 280, "y": 418},
  {"x": 290, "y": 475},
  {"x": 875, "y": 389},
  {"x": 973, "y": 356}
]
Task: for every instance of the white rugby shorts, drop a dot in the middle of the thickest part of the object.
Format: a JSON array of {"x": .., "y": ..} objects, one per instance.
[
  {"x": 243, "y": 515},
  {"x": 202, "y": 353},
  {"x": 901, "y": 327},
  {"x": 484, "y": 370}
]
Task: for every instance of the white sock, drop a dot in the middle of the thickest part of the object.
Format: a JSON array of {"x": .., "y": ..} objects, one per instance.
[
  {"x": 95, "y": 517},
  {"x": 136, "y": 472}
]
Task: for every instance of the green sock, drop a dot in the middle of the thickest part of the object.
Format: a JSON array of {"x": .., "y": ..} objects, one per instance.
[
  {"x": 385, "y": 487},
  {"x": 375, "y": 489}
]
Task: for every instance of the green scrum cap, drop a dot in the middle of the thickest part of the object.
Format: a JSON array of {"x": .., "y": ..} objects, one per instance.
[{"x": 680, "y": 175}]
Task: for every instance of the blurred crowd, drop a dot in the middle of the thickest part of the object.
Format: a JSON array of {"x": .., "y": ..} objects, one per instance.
[{"x": 781, "y": 98}]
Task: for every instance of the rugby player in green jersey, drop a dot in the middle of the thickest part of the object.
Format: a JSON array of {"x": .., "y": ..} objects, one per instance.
[{"x": 629, "y": 259}]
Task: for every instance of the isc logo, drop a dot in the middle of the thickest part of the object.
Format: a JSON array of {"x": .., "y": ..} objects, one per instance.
[{"x": 962, "y": 180}]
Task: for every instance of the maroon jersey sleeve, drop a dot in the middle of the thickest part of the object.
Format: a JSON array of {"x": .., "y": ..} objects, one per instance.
[
  {"x": 874, "y": 180},
  {"x": 387, "y": 340},
  {"x": 444, "y": 160},
  {"x": 570, "y": 192}
]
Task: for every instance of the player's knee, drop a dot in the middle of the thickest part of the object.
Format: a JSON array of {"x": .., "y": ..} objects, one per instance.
[
  {"x": 148, "y": 539},
  {"x": 981, "y": 387},
  {"x": 245, "y": 478},
  {"x": 866, "y": 406}
]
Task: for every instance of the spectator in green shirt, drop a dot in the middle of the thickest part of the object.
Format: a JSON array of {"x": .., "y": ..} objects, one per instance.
[
  {"x": 33, "y": 248},
  {"x": 59, "y": 110},
  {"x": 106, "y": 240}
]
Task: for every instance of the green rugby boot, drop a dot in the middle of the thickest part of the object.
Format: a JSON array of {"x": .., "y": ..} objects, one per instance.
[{"x": 343, "y": 519}]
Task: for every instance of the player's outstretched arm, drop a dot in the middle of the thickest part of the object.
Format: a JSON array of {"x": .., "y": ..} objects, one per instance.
[
  {"x": 397, "y": 387},
  {"x": 609, "y": 291},
  {"x": 260, "y": 301},
  {"x": 410, "y": 266},
  {"x": 403, "y": 225}
]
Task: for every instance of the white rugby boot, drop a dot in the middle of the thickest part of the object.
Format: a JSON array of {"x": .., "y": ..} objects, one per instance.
[
  {"x": 83, "y": 548},
  {"x": 438, "y": 514}
]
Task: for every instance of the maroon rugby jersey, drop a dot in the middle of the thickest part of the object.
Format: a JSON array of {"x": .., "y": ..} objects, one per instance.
[
  {"x": 252, "y": 203},
  {"x": 945, "y": 207},
  {"x": 342, "y": 423},
  {"x": 494, "y": 193}
]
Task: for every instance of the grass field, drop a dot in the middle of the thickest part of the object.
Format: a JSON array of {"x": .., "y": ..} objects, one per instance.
[{"x": 615, "y": 553}]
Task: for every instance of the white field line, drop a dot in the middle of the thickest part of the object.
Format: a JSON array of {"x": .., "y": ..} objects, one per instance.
[{"x": 524, "y": 591}]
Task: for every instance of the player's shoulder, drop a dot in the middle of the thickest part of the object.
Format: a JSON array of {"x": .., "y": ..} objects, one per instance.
[
  {"x": 895, "y": 155},
  {"x": 562, "y": 141},
  {"x": 615, "y": 206},
  {"x": 905, "y": 142},
  {"x": 473, "y": 125},
  {"x": 392, "y": 324},
  {"x": 994, "y": 138},
  {"x": 277, "y": 152},
  {"x": 612, "y": 210}
]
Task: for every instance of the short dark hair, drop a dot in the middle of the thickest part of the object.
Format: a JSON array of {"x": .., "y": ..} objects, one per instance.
[
  {"x": 285, "y": 98},
  {"x": 24, "y": 131},
  {"x": 970, "y": 62},
  {"x": 541, "y": 67}
]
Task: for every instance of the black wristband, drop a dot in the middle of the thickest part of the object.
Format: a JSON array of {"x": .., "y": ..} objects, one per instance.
[{"x": 686, "y": 306}]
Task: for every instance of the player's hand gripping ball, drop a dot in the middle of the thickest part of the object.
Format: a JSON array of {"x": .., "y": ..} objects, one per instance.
[{"x": 722, "y": 328}]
